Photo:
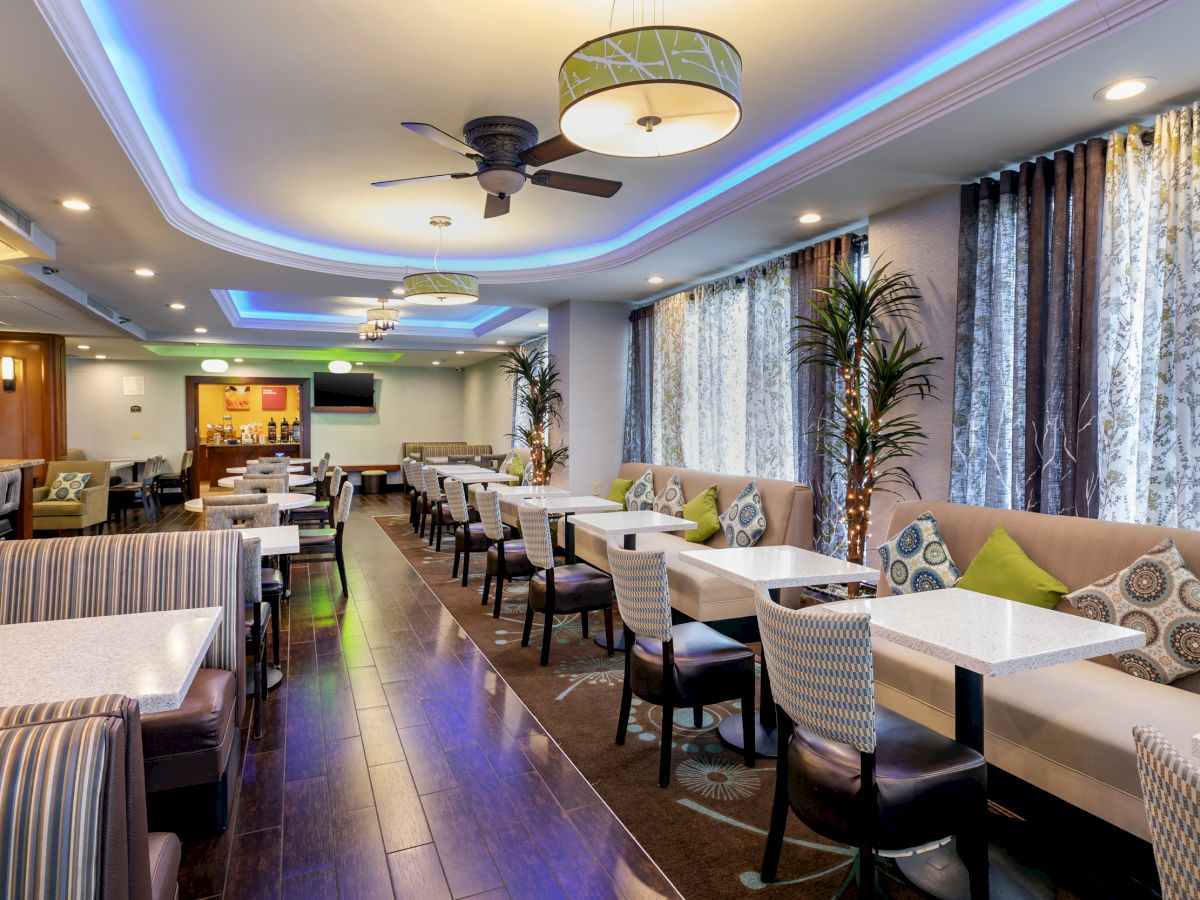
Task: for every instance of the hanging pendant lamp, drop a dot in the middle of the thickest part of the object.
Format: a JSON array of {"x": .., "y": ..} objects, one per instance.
[
  {"x": 368, "y": 332},
  {"x": 650, "y": 91},
  {"x": 440, "y": 288},
  {"x": 383, "y": 317}
]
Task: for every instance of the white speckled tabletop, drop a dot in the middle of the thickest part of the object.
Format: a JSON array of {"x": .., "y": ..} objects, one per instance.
[
  {"x": 777, "y": 566},
  {"x": 574, "y": 504},
  {"x": 293, "y": 480},
  {"x": 150, "y": 656},
  {"x": 636, "y": 521},
  {"x": 989, "y": 635}
]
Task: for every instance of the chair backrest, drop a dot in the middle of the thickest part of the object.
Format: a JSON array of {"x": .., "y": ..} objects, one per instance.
[
  {"x": 1171, "y": 792},
  {"x": 106, "y": 575},
  {"x": 266, "y": 468},
  {"x": 335, "y": 481},
  {"x": 410, "y": 476},
  {"x": 643, "y": 597},
  {"x": 488, "y": 504},
  {"x": 74, "y": 453},
  {"x": 232, "y": 500},
  {"x": 151, "y": 470},
  {"x": 457, "y": 498},
  {"x": 460, "y": 459},
  {"x": 322, "y": 468},
  {"x": 432, "y": 488},
  {"x": 535, "y": 531},
  {"x": 341, "y": 507},
  {"x": 73, "y": 811},
  {"x": 97, "y": 469},
  {"x": 10, "y": 491},
  {"x": 821, "y": 669},
  {"x": 251, "y": 515},
  {"x": 261, "y": 484}
]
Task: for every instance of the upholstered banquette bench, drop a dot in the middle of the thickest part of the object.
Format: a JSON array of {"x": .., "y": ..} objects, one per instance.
[
  {"x": 190, "y": 753},
  {"x": 1067, "y": 729}
]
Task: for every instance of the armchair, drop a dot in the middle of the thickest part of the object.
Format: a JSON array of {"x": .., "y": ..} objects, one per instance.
[{"x": 89, "y": 510}]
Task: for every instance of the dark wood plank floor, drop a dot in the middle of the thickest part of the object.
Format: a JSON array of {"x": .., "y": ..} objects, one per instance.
[{"x": 396, "y": 762}]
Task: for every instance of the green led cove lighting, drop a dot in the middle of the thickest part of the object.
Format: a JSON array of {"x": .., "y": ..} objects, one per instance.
[{"x": 283, "y": 354}]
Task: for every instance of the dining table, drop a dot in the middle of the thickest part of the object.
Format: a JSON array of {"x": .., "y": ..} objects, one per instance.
[
  {"x": 286, "y": 501},
  {"x": 771, "y": 568},
  {"x": 568, "y": 505},
  {"x": 293, "y": 480},
  {"x": 628, "y": 525},
  {"x": 152, "y": 657}
]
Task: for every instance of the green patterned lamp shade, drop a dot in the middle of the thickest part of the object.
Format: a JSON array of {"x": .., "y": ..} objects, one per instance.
[
  {"x": 441, "y": 289},
  {"x": 654, "y": 91}
]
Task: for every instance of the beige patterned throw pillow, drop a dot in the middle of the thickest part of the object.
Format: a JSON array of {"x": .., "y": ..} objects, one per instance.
[
  {"x": 1159, "y": 595},
  {"x": 670, "y": 501}
]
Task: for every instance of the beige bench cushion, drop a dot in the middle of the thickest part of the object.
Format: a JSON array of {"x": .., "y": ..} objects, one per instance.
[{"x": 1066, "y": 729}]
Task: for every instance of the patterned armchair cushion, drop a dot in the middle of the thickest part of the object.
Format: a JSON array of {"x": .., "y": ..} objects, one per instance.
[
  {"x": 670, "y": 501},
  {"x": 68, "y": 485},
  {"x": 641, "y": 495},
  {"x": 917, "y": 558},
  {"x": 1156, "y": 594},
  {"x": 745, "y": 522}
]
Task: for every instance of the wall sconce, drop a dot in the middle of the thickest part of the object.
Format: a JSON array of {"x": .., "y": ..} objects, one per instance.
[{"x": 8, "y": 373}]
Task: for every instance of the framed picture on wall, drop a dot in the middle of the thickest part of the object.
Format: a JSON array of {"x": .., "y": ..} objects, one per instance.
[
  {"x": 274, "y": 397},
  {"x": 237, "y": 398}
]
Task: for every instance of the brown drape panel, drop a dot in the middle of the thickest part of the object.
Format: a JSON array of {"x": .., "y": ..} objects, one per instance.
[{"x": 639, "y": 403}]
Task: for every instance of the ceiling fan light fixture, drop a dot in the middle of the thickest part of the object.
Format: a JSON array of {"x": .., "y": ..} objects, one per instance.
[{"x": 651, "y": 91}]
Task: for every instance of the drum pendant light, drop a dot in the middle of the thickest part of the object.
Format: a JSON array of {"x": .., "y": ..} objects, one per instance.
[
  {"x": 440, "y": 288},
  {"x": 651, "y": 91},
  {"x": 383, "y": 317}
]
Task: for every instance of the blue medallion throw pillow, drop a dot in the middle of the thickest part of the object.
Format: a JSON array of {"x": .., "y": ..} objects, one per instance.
[
  {"x": 641, "y": 495},
  {"x": 917, "y": 559},
  {"x": 68, "y": 485},
  {"x": 745, "y": 522},
  {"x": 527, "y": 476},
  {"x": 670, "y": 501}
]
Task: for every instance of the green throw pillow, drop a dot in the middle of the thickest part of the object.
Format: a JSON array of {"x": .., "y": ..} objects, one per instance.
[
  {"x": 618, "y": 489},
  {"x": 516, "y": 468},
  {"x": 1001, "y": 568},
  {"x": 702, "y": 509}
]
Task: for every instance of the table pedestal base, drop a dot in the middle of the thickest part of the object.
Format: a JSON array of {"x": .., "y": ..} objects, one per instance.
[
  {"x": 274, "y": 679},
  {"x": 940, "y": 873},
  {"x": 766, "y": 742}
]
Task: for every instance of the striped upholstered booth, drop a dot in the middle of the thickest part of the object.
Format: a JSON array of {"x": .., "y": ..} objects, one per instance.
[
  {"x": 73, "y": 804},
  {"x": 67, "y": 578}
]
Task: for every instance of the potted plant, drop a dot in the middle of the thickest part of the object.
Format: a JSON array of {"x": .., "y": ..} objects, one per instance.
[
  {"x": 864, "y": 433},
  {"x": 535, "y": 380}
]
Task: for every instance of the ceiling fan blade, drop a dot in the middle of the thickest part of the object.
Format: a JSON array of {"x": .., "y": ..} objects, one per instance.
[
  {"x": 580, "y": 184},
  {"x": 414, "y": 180},
  {"x": 549, "y": 151},
  {"x": 496, "y": 206},
  {"x": 435, "y": 134}
]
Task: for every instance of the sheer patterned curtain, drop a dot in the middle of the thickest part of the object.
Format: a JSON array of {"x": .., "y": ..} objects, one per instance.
[
  {"x": 520, "y": 419},
  {"x": 1026, "y": 336},
  {"x": 1149, "y": 355},
  {"x": 639, "y": 398}
]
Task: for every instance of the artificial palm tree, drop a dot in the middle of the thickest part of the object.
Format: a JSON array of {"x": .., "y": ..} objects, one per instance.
[
  {"x": 864, "y": 434},
  {"x": 535, "y": 379}
]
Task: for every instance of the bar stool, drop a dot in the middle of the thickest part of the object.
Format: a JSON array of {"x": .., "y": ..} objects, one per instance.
[
  {"x": 674, "y": 666},
  {"x": 506, "y": 557},
  {"x": 855, "y": 772},
  {"x": 560, "y": 590}
]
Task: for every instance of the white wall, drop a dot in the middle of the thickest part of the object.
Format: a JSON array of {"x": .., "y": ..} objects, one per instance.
[
  {"x": 487, "y": 405},
  {"x": 922, "y": 238},
  {"x": 414, "y": 403}
]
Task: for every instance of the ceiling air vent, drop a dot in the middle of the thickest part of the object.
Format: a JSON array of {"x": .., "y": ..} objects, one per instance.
[
  {"x": 99, "y": 307},
  {"x": 16, "y": 236}
]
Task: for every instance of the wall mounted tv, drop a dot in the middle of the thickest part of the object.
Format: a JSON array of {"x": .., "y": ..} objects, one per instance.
[{"x": 352, "y": 393}]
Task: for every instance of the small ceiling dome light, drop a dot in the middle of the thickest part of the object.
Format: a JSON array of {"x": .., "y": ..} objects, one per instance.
[
  {"x": 809, "y": 218},
  {"x": 398, "y": 291},
  {"x": 439, "y": 288},
  {"x": 84, "y": 347},
  {"x": 650, "y": 91},
  {"x": 200, "y": 330},
  {"x": 437, "y": 362},
  {"x": 143, "y": 272},
  {"x": 368, "y": 332},
  {"x": 459, "y": 352},
  {"x": 358, "y": 363},
  {"x": 177, "y": 305},
  {"x": 77, "y": 205},
  {"x": 654, "y": 279},
  {"x": 339, "y": 366},
  {"x": 101, "y": 356},
  {"x": 238, "y": 359},
  {"x": 501, "y": 343},
  {"x": 215, "y": 366},
  {"x": 1126, "y": 88}
]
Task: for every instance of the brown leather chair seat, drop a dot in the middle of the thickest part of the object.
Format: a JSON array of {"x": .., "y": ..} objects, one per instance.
[
  {"x": 706, "y": 663},
  {"x": 922, "y": 779},
  {"x": 191, "y": 745},
  {"x": 577, "y": 587},
  {"x": 272, "y": 580},
  {"x": 516, "y": 563},
  {"x": 479, "y": 540},
  {"x": 164, "y": 865}
]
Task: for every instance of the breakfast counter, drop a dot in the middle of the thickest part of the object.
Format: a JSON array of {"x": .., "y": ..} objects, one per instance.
[{"x": 213, "y": 460}]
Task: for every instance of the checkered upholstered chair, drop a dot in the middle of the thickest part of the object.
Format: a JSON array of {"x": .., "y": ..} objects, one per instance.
[
  {"x": 414, "y": 484},
  {"x": 469, "y": 535},
  {"x": 261, "y": 484},
  {"x": 506, "y": 557},
  {"x": 855, "y": 772},
  {"x": 328, "y": 541},
  {"x": 1171, "y": 791},
  {"x": 271, "y": 468},
  {"x": 674, "y": 666},
  {"x": 432, "y": 514},
  {"x": 250, "y": 515},
  {"x": 560, "y": 590}
]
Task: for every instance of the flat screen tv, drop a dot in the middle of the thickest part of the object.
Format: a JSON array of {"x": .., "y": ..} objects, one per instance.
[{"x": 354, "y": 392}]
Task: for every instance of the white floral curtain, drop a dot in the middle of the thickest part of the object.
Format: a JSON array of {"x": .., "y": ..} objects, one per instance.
[
  {"x": 1149, "y": 360},
  {"x": 722, "y": 376}
]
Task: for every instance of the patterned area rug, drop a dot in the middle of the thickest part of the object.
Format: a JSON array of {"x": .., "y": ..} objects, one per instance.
[{"x": 708, "y": 829}]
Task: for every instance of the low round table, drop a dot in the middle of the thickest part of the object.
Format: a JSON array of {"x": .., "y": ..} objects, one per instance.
[
  {"x": 293, "y": 480},
  {"x": 284, "y": 501},
  {"x": 241, "y": 470}
]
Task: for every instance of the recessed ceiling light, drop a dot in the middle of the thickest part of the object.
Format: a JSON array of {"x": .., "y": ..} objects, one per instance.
[
  {"x": 101, "y": 356},
  {"x": 809, "y": 218},
  {"x": 201, "y": 330},
  {"x": 77, "y": 205},
  {"x": 437, "y": 362},
  {"x": 459, "y": 352},
  {"x": 358, "y": 364},
  {"x": 501, "y": 343},
  {"x": 238, "y": 359},
  {"x": 1126, "y": 88},
  {"x": 398, "y": 291},
  {"x": 541, "y": 324},
  {"x": 177, "y": 305},
  {"x": 84, "y": 347},
  {"x": 143, "y": 272},
  {"x": 654, "y": 279}
]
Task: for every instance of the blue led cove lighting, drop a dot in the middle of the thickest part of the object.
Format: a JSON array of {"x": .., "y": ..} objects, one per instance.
[
  {"x": 243, "y": 302},
  {"x": 138, "y": 87}
]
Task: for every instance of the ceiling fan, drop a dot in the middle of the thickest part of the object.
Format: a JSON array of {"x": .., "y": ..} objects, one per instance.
[{"x": 501, "y": 147}]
